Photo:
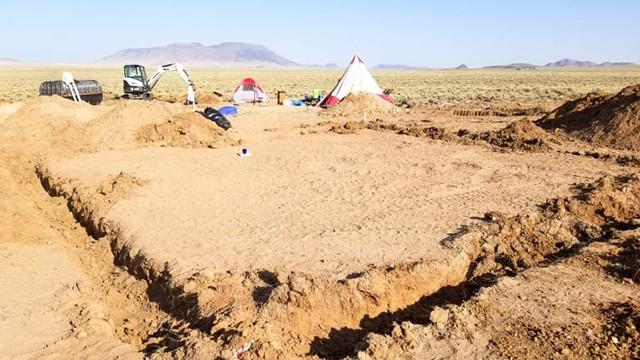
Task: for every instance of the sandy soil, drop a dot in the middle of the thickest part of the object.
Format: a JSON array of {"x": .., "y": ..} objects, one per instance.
[
  {"x": 168, "y": 244},
  {"x": 337, "y": 205},
  {"x": 53, "y": 313},
  {"x": 580, "y": 302}
]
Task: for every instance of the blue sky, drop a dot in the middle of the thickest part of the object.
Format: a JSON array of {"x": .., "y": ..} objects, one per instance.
[{"x": 419, "y": 33}]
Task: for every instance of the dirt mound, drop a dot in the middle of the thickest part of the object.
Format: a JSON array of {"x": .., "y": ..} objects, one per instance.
[
  {"x": 626, "y": 263},
  {"x": 115, "y": 189},
  {"x": 612, "y": 121},
  {"x": 172, "y": 99},
  {"x": 454, "y": 335},
  {"x": 519, "y": 242},
  {"x": 50, "y": 120},
  {"x": 624, "y": 325},
  {"x": 203, "y": 99},
  {"x": 185, "y": 130},
  {"x": 415, "y": 130},
  {"x": 68, "y": 127},
  {"x": 209, "y": 99},
  {"x": 52, "y": 112},
  {"x": 361, "y": 105},
  {"x": 519, "y": 135},
  {"x": 350, "y": 127},
  {"x": 54, "y": 104}
]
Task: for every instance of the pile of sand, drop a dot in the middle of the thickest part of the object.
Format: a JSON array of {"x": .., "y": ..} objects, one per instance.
[
  {"x": 521, "y": 241},
  {"x": 361, "y": 105},
  {"x": 612, "y": 121},
  {"x": 50, "y": 120},
  {"x": 203, "y": 99},
  {"x": 627, "y": 261},
  {"x": 118, "y": 187},
  {"x": 350, "y": 127},
  {"x": 624, "y": 323},
  {"x": 68, "y": 127},
  {"x": 520, "y": 135},
  {"x": 209, "y": 99},
  {"x": 185, "y": 130},
  {"x": 53, "y": 111},
  {"x": 172, "y": 99}
]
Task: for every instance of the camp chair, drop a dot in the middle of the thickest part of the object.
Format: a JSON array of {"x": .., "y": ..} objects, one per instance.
[{"x": 316, "y": 96}]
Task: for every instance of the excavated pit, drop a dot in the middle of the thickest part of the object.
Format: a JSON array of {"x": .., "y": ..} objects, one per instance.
[
  {"x": 296, "y": 303},
  {"x": 280, "y": 310},
  {"x": 286, "y": 311}
]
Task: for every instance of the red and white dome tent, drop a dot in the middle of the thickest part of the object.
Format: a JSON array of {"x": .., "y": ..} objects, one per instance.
[
  {"x": 249, "y": 91},
  {"x": 356, "y": 79}
]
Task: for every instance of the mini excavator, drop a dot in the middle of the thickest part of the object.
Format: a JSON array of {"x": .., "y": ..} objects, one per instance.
[{"x": 137, "y": 86}]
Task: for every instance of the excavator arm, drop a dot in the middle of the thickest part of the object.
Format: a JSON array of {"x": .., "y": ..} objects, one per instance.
[{"x": 191, "y": 96}]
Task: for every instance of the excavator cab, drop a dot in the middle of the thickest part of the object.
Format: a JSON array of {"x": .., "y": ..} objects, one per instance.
[{"x": 135, "y": 81}]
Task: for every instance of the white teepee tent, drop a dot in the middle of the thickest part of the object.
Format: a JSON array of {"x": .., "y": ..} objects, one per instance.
[{"x": 356, "y": 79}]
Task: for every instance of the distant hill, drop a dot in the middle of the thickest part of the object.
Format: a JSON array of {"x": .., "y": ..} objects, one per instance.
[
  {"x": 617, "y": 64},
  {"x": 10, "y": 62},
  {"x": 462, "y": 67},
  {"x": 513, "y": 66},
  {"x": 225, "y": 54},
  {"x": 571, "y": 63},
  {"x": 396, "y": 67},
  {"x": 330, "y": 66}
]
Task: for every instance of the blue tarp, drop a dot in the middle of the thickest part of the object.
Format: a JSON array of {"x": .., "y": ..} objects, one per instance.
[{"x": 228, "y": 110}]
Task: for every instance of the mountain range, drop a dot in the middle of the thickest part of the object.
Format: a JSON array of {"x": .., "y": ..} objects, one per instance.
[
  {"x": 224, "y": 54},
  {"x": 564, "y": 63},
  {"x": 397, "y": 67},
  {"x": 581, "y": 64},
  {"x": 7, "y": 62},
  {"x": 236, "y": 54},
  {"x": 512, "y": 66}
]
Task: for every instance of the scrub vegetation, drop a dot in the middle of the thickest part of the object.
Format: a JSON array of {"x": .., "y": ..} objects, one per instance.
[{"x": 422, "y": 87}]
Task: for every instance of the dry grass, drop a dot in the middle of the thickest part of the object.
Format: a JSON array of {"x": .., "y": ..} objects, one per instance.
[{"x": 439, "y": 86}]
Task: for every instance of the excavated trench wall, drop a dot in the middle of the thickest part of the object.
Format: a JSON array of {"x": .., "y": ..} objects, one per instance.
[{"x": 297, "y": 309}]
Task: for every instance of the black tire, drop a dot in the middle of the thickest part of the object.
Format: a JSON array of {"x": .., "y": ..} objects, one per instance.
[{"x": 215, "y": 116}]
